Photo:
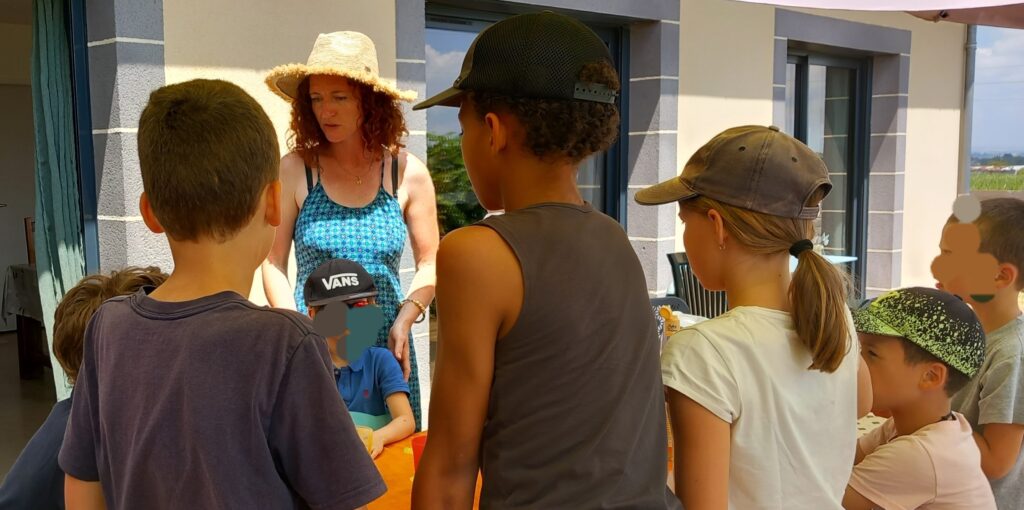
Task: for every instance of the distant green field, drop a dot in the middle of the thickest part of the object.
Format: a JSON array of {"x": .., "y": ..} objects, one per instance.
[{"x": 984, "y": 181}]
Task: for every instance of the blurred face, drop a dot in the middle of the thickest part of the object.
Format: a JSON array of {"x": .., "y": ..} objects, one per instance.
[
  {"x": 894, "y": 381},
  {"x": 478, "y": 157},
  {"x": 336, "y": 106},
  {"x": 955, "y": 243},
  {"x": 702, "y": 247}
]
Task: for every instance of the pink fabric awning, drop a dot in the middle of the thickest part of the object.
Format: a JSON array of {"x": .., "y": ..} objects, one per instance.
[
  {"x": 996, "y": 13},
  {"x": 886, "y": 5},
  {"x": 1007, "y": 16}
]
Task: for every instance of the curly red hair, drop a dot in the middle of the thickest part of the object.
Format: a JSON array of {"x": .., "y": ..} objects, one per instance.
[{"x": 382, "y": 125}]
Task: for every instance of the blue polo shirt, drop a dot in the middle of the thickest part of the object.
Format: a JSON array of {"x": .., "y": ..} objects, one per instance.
[
  {"x": 36, "y": 481},
  {"x": 366, "y": 384}
]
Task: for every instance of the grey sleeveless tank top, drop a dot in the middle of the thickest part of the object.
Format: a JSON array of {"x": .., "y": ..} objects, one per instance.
[{"x": 576, "y": 417}]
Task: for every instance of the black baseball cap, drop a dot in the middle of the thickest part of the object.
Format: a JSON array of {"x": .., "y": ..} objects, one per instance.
[
  {"x": 757, "y": 168},
  {"x": 338, "y": 280},
  {"x": 934, "y": 320},
  {"x": 538, "y": 55}
]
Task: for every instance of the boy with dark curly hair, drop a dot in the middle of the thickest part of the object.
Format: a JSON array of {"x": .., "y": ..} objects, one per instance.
[{"x": 547, "y": 369}]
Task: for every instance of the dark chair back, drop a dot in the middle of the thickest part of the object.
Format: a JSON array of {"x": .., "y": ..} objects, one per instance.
[
  {"x": 701, "y": 301},
  {"x": 673, "y": 302}
]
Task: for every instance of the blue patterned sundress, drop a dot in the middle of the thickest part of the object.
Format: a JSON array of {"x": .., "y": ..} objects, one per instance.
[{"x": 374, "y": 236}]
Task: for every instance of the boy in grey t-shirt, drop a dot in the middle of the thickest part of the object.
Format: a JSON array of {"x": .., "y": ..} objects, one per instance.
[{"x": 993, "y": 402}]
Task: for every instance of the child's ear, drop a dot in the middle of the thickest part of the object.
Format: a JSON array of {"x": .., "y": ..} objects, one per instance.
[
  {"x": 148, "y": 217},
  {"x": 721, "y": 234},
  {"x": 1007, "y": 276},
  {"x": 273, "y": 198},
  {"x": 934, "y": 376},
  {"x": 498, "y": 129}
]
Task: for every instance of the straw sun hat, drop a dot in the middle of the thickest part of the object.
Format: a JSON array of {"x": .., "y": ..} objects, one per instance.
[{"x": 348, "y": 54}]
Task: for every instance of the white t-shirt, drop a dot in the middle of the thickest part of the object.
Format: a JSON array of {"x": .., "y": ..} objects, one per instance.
[
  {"x": 794, "y": 430},
  {"x": 936, "y": 468}
]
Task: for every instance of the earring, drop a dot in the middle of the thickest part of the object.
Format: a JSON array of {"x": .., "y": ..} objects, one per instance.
[{"x": 721, "y": 247}]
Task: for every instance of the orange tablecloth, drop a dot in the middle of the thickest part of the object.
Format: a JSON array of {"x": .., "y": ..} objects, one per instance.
[{"x": 395, "y": 466}]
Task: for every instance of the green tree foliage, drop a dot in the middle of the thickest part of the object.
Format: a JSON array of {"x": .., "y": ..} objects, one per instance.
[
  {"x": 457, "y": 205},
  {"x": 999, "y": 161}
]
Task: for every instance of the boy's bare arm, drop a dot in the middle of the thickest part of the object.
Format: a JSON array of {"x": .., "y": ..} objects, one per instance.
[
  {"x": 479, "y": 293},
  {"x": 853, "y": 500},
  {"x": 82, "y": 495},
  {"x": 1000, "y": 445},
  {"x": 865, "y": 398},
  {"x": 702, "y": 444},
  {"x": 859, "y": 456},
  {"x": 402, "y": 424}
]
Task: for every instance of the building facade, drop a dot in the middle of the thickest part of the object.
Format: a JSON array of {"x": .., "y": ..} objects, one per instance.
[{"x": 879, "y": 95}]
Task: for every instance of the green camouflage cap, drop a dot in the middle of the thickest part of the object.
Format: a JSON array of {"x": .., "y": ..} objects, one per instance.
[{"x": 936, "y": 321}]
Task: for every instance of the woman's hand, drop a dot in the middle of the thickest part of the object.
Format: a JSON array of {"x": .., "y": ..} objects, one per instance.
[
  {"x": 398, "y": 344},
  {"x": 420, "y": 213}
]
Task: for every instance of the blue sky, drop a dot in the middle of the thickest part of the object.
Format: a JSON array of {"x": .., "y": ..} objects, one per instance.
[
  {"x": 445, "y": 50},
  {"x": 999, "y": 91}
]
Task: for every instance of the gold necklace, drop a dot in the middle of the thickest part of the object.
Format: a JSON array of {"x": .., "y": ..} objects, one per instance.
[{"x": 358, "y": 178}]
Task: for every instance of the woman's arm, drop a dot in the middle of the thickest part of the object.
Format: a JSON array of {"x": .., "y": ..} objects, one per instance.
[
  {"x": 702, "y": 442},
  {"x": 402, "y": 423},
  {"x": 275, "y": 268},
  {"x": 421, "y": 219}
]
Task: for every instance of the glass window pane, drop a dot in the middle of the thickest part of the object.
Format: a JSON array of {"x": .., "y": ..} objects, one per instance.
[
  {"x": 457, "y": 205},
  {"x": 591, "y": 180},
  {"x": 830, "y": 105},
  {"x": 816, "y": 108},
  {"x": 790, "y": 126}
]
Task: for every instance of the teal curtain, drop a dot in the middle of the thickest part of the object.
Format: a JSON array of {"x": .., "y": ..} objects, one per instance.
[{"x": 60, "y": 257}]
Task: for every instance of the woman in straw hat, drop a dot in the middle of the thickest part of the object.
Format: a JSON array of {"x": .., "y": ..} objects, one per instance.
[{"x": 350, "y": 189}]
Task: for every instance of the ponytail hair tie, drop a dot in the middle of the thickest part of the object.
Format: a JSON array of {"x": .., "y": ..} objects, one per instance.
[{"x": 800, "y": 247}]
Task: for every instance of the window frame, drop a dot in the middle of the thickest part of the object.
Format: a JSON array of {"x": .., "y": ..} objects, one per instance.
[
  {"x": 615, "y": 160},
  {"x": 858, "y": 175},
  {"x": 84, "y": 161}
]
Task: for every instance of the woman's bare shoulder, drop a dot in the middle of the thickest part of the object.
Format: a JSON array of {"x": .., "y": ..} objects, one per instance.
[
  {"x": 411, "y": 168},
  {"x": 293, "y": 169},
  {"x": 292, "y": 163}
]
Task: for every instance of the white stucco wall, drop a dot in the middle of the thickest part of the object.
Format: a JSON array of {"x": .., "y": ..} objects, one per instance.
[
  {"x": 241, "y": 43},
  {"x": 726, "y": 54}
]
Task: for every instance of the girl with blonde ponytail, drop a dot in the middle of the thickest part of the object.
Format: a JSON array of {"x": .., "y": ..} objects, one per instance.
[{"x": 763, "y": 399}]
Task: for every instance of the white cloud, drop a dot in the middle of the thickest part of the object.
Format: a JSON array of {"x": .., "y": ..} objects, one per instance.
[
  {"x": 442, "y": 69},
  {"x": 999, "y": 91}
]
